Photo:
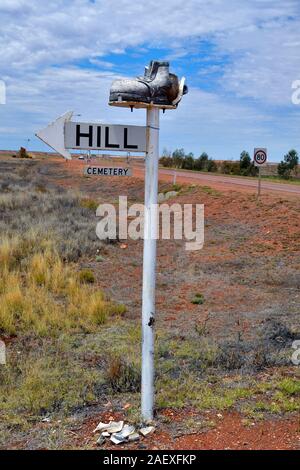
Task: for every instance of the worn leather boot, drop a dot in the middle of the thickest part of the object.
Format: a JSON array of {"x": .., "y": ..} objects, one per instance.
[{"x": 157, "y": 86}]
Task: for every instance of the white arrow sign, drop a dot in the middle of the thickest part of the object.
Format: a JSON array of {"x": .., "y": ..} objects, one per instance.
[
  {"x": 63, "y": 134},
  {"x": 54, "y": 134}
]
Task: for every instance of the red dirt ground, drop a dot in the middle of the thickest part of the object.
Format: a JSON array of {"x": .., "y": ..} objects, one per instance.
[
  {"x": 231, "y": 432},
  {"x": 273, "y": 227},
  {"x": 277, "y": 227}
]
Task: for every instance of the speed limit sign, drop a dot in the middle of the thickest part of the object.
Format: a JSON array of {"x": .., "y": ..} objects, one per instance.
[{"x": 260, "y": 157}]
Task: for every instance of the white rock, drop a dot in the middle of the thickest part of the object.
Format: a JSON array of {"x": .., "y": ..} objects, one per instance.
[
  {"x": 170, "y": 194},
  {"x": 160, "y": 198}
]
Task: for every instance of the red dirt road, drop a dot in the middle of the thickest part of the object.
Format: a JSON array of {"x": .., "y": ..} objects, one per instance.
[{"x": 221, "y": 182}]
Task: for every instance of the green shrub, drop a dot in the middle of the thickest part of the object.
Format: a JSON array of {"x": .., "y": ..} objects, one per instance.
[
  {"x": 86, "y": 276},
  {"x": 166, "y": 162},
  {"x": 212, "y": 166},
  {"x": 89, "y": 204},
  {"x": 288, "y": 165},
  {"x": 198, "y": 299},
  {"x": 23, "y": 153},
  {"x": 289, "y": 386}
]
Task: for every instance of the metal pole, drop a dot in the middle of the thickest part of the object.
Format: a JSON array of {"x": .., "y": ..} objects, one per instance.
[
  {"x": 174, "y": 178},
  {"x": 149, "y": 263},
  {"x": 259, "y": 182}
]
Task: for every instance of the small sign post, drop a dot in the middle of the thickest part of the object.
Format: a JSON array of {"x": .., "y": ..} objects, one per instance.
[
  {"x": 260, "y": 159},
  {"x": 174, "y": 177},
  {"x": 107, "y": 171},
  {"x": 2, "y": 353}
]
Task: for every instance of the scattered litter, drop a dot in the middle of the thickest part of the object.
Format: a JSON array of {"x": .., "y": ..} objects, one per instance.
[
  {"x": 123, "y": 246},
  {"x": 46, "y": 420},
  {"x": 116, "y": 439},
  {"x": 111, "y": 427},
  {"x": 119, "y": 437},
  {"x": 119, "y": 433},
  {"x": 126, "y": 431},
  {"x": 127, "y": 406},
  {"x": 146, "y": 431},
  {"x": 101, "y": 427},
  {"x": 133, "y": 437},
  {"x": 115, "y": 426},
  {"x": 101, "y": 440}
]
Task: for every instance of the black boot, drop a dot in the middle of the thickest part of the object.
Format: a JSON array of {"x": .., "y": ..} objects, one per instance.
[{"x": 157, "y": 86}]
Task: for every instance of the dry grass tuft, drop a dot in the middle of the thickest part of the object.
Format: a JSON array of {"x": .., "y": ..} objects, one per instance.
[
  {"x": 41, "y": 295},
  {"x": 123, "y": 376}
]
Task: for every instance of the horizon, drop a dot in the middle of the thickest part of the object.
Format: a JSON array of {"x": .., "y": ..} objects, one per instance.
[{"x": 77, "y": 153}]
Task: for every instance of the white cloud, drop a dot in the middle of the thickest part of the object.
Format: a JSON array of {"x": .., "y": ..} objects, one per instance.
[
  {"x": 35, "y": 32},
  {"x": 267, "y": 64},
  {"x": 42, "y": 41},
  {"x": 224, "y": 127}
]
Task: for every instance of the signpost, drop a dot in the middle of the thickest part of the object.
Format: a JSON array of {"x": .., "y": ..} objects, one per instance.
[
  {"x": 260, "y": 159},
  {"x": 149, "y": 254},
  {"x": 149, "y": 262},
  {"x": 64, "y": 134}
]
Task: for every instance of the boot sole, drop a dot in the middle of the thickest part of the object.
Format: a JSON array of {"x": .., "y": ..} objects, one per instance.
[{"x": 137, "y": 98}]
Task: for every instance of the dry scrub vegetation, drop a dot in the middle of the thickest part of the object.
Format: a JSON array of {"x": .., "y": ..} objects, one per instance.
[
  {"x": 42, "y": 296},
  {"x": 47, "y": 305},
  {"x": 29, "y": 203},
  {"x": 71, "y": 349}
]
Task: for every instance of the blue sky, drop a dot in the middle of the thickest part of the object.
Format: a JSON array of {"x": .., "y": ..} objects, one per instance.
[{"x": 240, "y": 58}]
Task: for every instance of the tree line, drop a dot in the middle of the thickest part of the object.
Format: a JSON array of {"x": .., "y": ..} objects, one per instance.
[{"x": 287, "y": 168}]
